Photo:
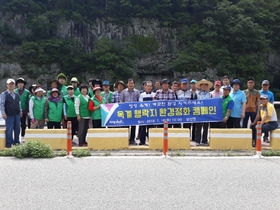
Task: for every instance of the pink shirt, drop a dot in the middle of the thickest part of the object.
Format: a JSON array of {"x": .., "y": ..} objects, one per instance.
[{"x": 216, "y": 94}]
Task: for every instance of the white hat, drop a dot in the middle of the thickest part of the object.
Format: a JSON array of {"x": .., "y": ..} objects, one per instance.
[
  {"x": 74, "y": 79},
  {"x": 10, "y": 81},
  {"x": 39, "y": 89}
]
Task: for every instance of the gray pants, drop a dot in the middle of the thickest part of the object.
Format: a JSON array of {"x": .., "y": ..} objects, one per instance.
[{"x": 83, "y": 127}]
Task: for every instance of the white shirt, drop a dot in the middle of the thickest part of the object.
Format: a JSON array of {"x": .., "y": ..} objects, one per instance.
[
  {"x": 77, "y": 105},
  {"x": 147, "y": 96},
  {"x": 184, "y": 94}
]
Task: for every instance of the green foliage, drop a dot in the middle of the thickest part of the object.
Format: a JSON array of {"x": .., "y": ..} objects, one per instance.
[
  {"x": 271, "y": 153},
  {"x": 81, "y": 153},
  {"x": 34, "y": 149},
  {"x": 144, "y": 44}
]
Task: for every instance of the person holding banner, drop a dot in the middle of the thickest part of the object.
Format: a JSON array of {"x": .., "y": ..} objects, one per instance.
[
  {"x": 204, "y": 85},
  {"x": 148, "y": 95},
  {"x": 83, "y": 114},
  {"x": 130, "y": 94},
  {"x": 94, "y": 107}
]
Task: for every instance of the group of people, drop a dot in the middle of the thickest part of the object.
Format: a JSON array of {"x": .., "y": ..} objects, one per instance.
[{"x": 80, "y": 104}]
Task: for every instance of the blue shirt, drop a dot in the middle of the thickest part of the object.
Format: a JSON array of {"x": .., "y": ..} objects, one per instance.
[
  {"x": 269, "y": 94},
  {"x": 238, "y": 98}
]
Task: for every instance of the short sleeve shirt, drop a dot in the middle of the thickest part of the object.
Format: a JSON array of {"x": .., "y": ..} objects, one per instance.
[{"x": 238, "y": 98}]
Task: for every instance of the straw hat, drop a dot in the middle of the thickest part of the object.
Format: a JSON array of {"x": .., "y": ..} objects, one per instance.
[{"x": 204, "y": 81}]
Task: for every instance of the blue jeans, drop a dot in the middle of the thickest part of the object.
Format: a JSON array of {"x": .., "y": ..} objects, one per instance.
[
  {"x": 252, "y": 116},
  {"x": 270, "y": 126},
  {"x": 12, "y": 126}
]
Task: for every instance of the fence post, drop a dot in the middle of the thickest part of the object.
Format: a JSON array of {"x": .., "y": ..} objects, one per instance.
[
  {"x": 69, "y": 139},
  {"x": 165, "y": 139},
  {"x": 259, "y": 140}
]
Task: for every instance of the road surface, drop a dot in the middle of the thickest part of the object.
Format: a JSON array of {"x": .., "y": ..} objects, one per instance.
[{"x": 142, "y": 183}]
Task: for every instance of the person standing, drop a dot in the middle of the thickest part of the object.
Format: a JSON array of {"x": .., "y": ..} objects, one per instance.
[
  {"x": 268, "y": 117},
  {"x": 227, "y": 106},
  {"x": 74, "y": 83},
  {"x": 69, "y": 110},
  {"x": 194, "y": 93},
  {"x": 239, "y": 99},
  {"x": 265, "y": 91},
  {"x": 106, "y": 93},
  {"x": 217, "y": 92},
  {"x": 36, "y": 108},
  {"x": 31, "y": 93},
  {"x": 175, "y": 87},
  {"x": 252, "y": 105},
  {"x": 226, "y": 81},
  {"x": 204, "y": 85},
  {"x": 130, "y": 94},
  {"x": 147, "y": 95},
  {"x": 94, "y": 107},
  {"x": 157, "y": 86},
  {"x": 62, "y": 79},
  {"x": 116, "y": 95},
  {"x": 53, "y": 110},
  {"x": 83, "y": 114},
  {"x": 11, "y": 112},
  {"x": 53, "y": 84},
  {"x": 24, "y": 97}
]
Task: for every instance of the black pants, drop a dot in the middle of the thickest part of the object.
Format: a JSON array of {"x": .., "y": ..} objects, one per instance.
[
  {"x": 74, "y": 125},
  {"x": 23, "y": 124},
  {"x": 96, "y": 123},
  {"x": 252, "y": 116},
  {"x": 193, "y": 131},
  {"x": 187, "y": 125},
  {"x": 29, "y": 122},
  {"x": 199, "y": 127},
  {"x": 132, "y": 134},
  {"x": 82, "y": 133},
  {"x": 56, "y": 125},
  {"x": 233, "y": 122},
  {"x": 144, "y": 132}
]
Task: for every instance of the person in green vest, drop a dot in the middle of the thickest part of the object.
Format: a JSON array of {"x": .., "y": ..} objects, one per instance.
[
  {"x": 53, "y": 110},
  {"x": 74, "y": 83},
  {"x": 69, "y": 110},
  {"x": 106, "y": 93},
  {"x": 54, "y": 84},
  {"x": 24, "y": 96},
  {"x": 227, "y": 105},
  {"x": 94, "y": 107},
  {"x": 36, "y": 108},
  {"x": 83, "y": 114},
  {"x": 63, "y": 81}
]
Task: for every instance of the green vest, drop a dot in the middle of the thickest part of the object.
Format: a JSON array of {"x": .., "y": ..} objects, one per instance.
[
  {"x": 64, "y": 90},
  {"x": 70, "y": 106},
  {"x": 96, "y": 114},
  {"x": 38, "y": 108},
  {"x": 84, "y": 112},
  {"x": 110, "y": 96},
  {"x": 77, "y": 92},
  {"x": 55, "y": 111},
  {"x": 90, "y": 93},
  {"x": 24, "y": 98},
  {"x": 225, "y": 105}
]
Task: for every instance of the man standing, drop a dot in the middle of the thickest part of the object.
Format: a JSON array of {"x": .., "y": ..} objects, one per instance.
[
  {"x": 239, "y": 99},
  {"x": 226, "y": 81},
  {"x": 24, "y": 99},
  {"x": 193, "y": 92},
  {"x": 268, "y": 116},
  {"x": 116, "y": 95},
  {"x": 174, "y": 87},
  {"x": 204, "y": 85},
  {"x": 165, "y": 93},
  {"x": 265, "y": 91},
  {"x": 157, "y": 86},
  {"x": 252, "y": 104},
  {"x": 130, "y": 94},
  {"x": 11, "y": 112},
  {"x": 184, "y": 94},
  {"x": 106, "y": 93},
  {"x": 217, "y": 93},
  {"x": 227, "y": 105}
]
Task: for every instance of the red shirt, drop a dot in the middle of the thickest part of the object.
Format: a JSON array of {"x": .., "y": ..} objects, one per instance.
[{"x": 91, "y": 104}]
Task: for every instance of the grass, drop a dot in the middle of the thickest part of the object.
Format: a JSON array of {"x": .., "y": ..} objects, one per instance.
[{"x": 270, "y": 153}]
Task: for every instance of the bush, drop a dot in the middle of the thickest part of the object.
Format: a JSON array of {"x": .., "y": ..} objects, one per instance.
[
  {"x": 34, "y": 149},
  {"x": 81, "y": 153}
]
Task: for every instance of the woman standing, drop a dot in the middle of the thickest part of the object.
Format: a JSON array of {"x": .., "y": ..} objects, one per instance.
[
  {"x": 53, "y": 110},
  {"x": 94, "y": 107},
  {"x": 36, "y": 108}
]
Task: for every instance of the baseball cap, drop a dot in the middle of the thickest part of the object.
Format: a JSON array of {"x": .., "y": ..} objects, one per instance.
[
  {"x": 193, "y": 81},
  {"x": 10, "y": 81},
  {"x": 265, "y": 82},
  {"x": 264, "y": 96},
  {"x": 70, "y": 87},
  {"x": 227, "y": 87},
  {"x": 251, "y": 78},
  {"x": 106, "y": 82},
  {"x": 185, "y": 80},
  {"x": 164, "y": 81},
  {"x": 74, "y": 79},
  {"x": 218, "y": 83}
]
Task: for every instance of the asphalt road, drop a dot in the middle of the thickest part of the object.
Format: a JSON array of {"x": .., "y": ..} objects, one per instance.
[{"x": 139, "y": 183}]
